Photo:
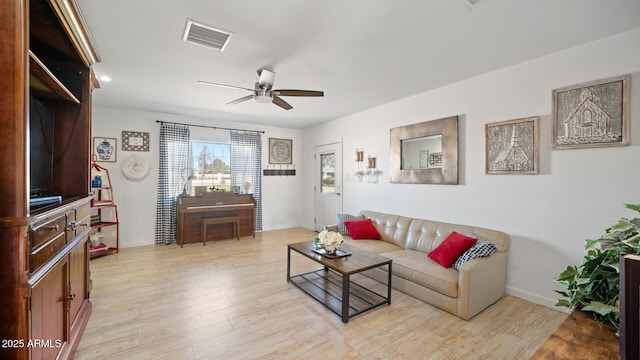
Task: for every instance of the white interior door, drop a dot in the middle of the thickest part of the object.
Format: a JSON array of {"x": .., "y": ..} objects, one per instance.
[{"x": 327, "y": 184}]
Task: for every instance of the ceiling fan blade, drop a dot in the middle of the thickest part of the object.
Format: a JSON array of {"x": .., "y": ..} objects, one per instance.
[
  {"x": 284, "y": 92},
  {"x": 223, "y": 85},
  {"x": 283, "y": 104},
  {"x": 237, "y": 101},
  {"x": 266, "y": 78}
]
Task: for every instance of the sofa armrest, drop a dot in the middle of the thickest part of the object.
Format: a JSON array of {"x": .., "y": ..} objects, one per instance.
[{"x": 481, "y": 282}]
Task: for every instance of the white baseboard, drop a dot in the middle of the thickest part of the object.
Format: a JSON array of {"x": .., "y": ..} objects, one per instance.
[
  {"x": 535, "y": 298},
  {"x": 135, "y": 244},
  {"x": 279, "y": 227}
]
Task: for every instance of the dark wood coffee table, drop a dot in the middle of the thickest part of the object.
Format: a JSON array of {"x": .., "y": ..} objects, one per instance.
[{"x": 332, "y": 285}]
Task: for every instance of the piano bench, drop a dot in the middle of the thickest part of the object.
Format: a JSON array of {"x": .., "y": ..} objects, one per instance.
[{"x": 235, "y": 220}]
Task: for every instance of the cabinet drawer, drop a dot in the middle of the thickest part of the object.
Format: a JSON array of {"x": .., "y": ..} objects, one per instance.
[
  {"x": 83, "y": 223},
  {"x": 83, "y": 211},
  {"x": 78, "y": 220},
  {"x": 44, "y": 253},
  {"x": 71, "y": 226},
  {"x": 42, "y": 233}
]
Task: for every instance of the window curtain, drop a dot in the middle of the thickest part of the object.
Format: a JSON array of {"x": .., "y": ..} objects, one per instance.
[
  {"x": 174, "y": 159},
  {"x": 246, "y": 162}
]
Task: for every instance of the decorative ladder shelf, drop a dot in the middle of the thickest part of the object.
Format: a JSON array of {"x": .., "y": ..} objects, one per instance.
[{"x": 104, "y": 214}]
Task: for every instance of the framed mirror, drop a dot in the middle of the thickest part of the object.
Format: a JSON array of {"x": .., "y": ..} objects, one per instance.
[{"x": 425, "y": 153}]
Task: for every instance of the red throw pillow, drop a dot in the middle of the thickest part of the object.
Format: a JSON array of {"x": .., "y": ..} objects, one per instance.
[
  {"x": 362, "y": 229},
  {"x": 451, "y": 248}
]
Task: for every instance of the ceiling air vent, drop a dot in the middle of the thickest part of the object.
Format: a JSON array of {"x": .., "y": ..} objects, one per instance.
[{"x": 205, "y": 35}]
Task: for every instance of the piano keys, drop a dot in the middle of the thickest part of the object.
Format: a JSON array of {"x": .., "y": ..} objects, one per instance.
[{"x": 192, "y": 209}]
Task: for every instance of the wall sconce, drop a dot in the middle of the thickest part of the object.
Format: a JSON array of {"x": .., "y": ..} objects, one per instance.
[
  {"x": 372, "y": 169},
  {"x": 370, "y": 174},
  {"x": 359, "y": 161}
]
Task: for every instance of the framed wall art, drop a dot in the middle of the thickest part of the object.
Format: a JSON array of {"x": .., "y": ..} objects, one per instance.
[
  {"x": 513, "y": 146},
  {"x": 592, "y": 114},
  {"x": 104, "y": 149},
  {"x": 280, "y": 151},
  {"x": 135, "y": 141}
]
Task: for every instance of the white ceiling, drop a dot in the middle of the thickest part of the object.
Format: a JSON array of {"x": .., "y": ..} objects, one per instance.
[{"x": 361, "y": 53}]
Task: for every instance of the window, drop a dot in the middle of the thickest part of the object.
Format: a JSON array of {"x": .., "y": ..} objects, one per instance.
[
  {"x": 211, "y": 164},
  {"x": 327, "y": 172}
]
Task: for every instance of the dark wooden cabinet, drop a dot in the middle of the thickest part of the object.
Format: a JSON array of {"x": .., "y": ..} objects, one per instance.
[
  {"x": 48, "y": 315},
  {"x": 58, "y": 285},
  {"x": 45, "y": 74}
]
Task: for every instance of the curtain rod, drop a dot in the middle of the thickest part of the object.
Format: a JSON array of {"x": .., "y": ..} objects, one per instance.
[{"x": 209, "y": 127}]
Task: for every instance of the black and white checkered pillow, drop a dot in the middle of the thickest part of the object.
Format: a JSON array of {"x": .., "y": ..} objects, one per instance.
[
  {"x": 346, "y": 217},
  {"x": 482, "y": 248}
]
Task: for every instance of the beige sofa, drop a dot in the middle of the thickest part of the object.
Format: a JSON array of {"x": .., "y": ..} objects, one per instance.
[{"x": 465, "y": 293}]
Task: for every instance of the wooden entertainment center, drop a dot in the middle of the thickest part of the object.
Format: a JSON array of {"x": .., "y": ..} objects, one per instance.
[{"x": 45, "y": 118}]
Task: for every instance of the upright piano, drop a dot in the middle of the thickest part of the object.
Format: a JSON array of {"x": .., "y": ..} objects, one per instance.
[{"x": 193, "y": 209}]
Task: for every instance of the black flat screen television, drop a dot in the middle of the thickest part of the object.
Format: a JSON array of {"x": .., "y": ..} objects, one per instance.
[{"x": 41, "y": 136}]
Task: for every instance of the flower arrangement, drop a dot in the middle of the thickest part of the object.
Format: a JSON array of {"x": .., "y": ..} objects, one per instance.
[{"x": 329, "y": 239}]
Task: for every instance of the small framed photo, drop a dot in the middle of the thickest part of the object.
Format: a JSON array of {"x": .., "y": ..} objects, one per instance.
[
  {"x": 135, "y": 141},
  {"x": 104, "y": 149},
  {"x": 280, "y": 151},
  {"x": 513, "y": 146},
  {"x": 592, "y": 114}
]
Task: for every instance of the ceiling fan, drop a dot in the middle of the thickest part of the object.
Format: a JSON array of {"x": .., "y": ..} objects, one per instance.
[{"x": 264, "y": 92}]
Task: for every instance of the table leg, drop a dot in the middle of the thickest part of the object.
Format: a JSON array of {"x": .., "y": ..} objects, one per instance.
[
  {"x": 345, "y": 298},
  {"x": 288, "y": 264},
  {"x": 389, "y": 286}
]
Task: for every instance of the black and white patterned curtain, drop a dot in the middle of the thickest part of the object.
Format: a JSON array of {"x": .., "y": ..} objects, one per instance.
[
  {"x": 174, "y": 159},
  {"x": 246, "y": 162}
]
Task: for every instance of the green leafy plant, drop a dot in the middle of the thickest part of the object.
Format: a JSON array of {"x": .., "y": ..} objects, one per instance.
[{"x": 594, "y": 286}]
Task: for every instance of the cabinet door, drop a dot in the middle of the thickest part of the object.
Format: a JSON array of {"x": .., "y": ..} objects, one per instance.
[
  {"x": 78, "y": 277},
  {"x": 48, "y": 313}
]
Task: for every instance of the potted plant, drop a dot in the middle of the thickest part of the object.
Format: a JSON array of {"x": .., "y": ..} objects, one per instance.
[{"x": 594, "y": 286}]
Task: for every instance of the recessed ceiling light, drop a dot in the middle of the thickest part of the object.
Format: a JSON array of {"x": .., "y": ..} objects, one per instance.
[{"x": 105, "y": 78}]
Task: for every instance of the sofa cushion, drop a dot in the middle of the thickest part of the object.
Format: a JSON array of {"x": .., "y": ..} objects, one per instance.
[
  {"x": 362, "y": 229},
  {"x": 342, "y": 218},
  {"x": 372, "y": 246},
  {"x": 411, "y": 265},
  {"x": 451, "y": 248},
  {"x": 482, "y": 248}
]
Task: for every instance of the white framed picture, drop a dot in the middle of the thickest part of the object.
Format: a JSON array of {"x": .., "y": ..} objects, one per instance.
[{"x": 104, "y": 149}]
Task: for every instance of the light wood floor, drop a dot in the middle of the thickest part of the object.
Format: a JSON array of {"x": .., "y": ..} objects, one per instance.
[{"x": 230, "y": 300}]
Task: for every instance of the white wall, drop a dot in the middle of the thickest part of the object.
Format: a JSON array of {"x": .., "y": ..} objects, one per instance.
[
  {"x": 577, "y": 194},
  {"x": 136, "y": 200}
]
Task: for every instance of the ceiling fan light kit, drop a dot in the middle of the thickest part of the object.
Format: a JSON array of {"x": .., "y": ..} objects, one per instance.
[
  {"x": 263, "y": 97},
  {"x": 263, "y": 91}
]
